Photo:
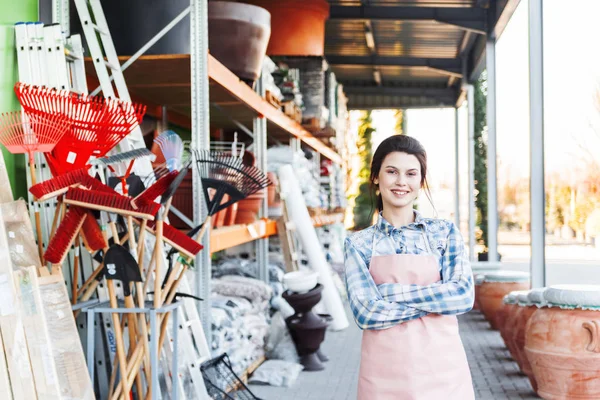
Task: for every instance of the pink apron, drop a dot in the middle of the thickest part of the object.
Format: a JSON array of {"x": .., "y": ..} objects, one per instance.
[{"x": 423, "y": 359}]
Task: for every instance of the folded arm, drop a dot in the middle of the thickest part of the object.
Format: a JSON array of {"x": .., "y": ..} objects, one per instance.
[
  {"x": 452, "y": 296},
  {"x": 370, "y": 309}
]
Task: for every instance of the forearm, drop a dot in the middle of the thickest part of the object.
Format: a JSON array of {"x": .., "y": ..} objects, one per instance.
[
  {"x": 454, "y": 297},
  {"x": 382, "y": 314}
]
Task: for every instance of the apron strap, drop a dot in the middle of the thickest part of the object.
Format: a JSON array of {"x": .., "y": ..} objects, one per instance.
[{"x": 427, "y": 245}]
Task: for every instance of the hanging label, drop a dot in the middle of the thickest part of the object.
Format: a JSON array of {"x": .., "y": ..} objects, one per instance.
[
  {"x": 252, "y": 231},
  {"x": 111, "y": 269},
  {"x": 71, "y": 157},
  {"x": 76, "y": 251},
  {"x": 11, "y": 234},
  {"x": 19, "y": 249},
  {"x": 262, "y": 228}
]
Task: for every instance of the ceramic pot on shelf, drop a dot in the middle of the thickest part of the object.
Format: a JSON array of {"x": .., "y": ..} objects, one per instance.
[
  {"x": 238, "y": 35},
  {"x": 297, "y": 26}
]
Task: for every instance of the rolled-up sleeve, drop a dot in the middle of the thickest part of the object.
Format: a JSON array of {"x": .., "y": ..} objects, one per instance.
[
  {"x": 452, "y": 296},
  {"x": 370, "y": 309}
]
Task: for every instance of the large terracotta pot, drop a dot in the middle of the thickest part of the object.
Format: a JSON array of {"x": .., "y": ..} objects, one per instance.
[
  {"x": 497, "y": 285},
  {"x": 563, "y": 344},
  {"x": 527, "y": 309},
  {"x": 297, "y": 26},
  {"x": 509, "y": 302},
  {"x": 238, "y": 35},
  {"x": 479, "y": 278},
  {"x": 479, "y": 271}
]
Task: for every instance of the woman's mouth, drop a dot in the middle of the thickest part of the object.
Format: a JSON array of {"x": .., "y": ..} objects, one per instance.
[{"x": 399, "y": 193}]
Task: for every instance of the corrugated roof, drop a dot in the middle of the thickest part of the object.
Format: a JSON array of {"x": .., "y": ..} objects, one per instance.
[{"x": 417, "y": 43}]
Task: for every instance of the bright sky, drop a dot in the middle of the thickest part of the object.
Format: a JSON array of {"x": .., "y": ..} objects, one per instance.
[{"x": 571, "y": 77}]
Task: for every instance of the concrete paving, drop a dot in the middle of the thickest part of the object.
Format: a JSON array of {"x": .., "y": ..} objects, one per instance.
[{"x": 495, "y": 375}]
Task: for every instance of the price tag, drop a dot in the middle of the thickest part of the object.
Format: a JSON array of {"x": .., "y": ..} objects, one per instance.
[
  {"x": 252, "y": 231},
  {"x": 11, "y": 234},
  {"x": 19, "y": 249},
  {"x": 71, "y": 157},
  {"x": 262, "y": 228}
]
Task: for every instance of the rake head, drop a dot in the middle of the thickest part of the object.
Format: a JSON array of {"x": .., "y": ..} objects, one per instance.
[
  {"x": 21, "y": 133},
  {"x": 97, "y": 124},
  {"x": 222, "y": 174}
]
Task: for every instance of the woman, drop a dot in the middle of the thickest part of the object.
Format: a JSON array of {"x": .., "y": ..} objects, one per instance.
[{"x": 407, "y": 278}]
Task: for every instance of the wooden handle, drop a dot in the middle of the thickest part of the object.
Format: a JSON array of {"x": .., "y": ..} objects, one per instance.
[
  {"x": 75, "y": 271},
  {"x": 158, "y": 250},
  {"x": 38, "y": 231},
  {"x": 119, "y": 339}
]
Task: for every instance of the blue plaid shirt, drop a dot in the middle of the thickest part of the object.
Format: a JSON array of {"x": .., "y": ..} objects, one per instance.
[{"x": 388, "y": 304}]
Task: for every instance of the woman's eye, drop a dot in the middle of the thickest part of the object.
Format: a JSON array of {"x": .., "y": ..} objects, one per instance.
[{"x": 391, "y": 171}]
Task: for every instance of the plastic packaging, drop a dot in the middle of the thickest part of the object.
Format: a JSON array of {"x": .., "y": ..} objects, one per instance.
[{"x": 276, "y": 373}]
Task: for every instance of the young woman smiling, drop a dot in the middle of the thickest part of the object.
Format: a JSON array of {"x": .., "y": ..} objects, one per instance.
[{"x": 407, "y": 278}]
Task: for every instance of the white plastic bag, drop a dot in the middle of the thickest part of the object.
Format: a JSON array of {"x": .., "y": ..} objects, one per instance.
[{"x": 276, "y": 373}]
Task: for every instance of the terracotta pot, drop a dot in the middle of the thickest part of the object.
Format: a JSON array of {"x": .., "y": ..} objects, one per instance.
[
  {"x": 219, "y": 217},
  {"x": 504, "y": 319},
  {"x": 563, "y": 349},
  {"x": 245, "y": 217},
  {"x": 519, "y": 331},
  {"x": 495, "y": 287},
  {"x": 508, "y": 332},
  {"x": 297, "y": 26},
  {"x": 230, "y": 215},
  {"x": 502, "y": 315},
  {"x": 238, "y": 36},
  {"x": 479, "y": 278}
]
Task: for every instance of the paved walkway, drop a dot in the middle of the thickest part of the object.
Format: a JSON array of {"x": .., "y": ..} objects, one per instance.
[{"x": 495, "y": 375}]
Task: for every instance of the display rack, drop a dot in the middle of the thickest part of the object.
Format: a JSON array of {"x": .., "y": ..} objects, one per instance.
[
  {"x": 235, "y": 235},
  {"x": 172, "y": 88}
]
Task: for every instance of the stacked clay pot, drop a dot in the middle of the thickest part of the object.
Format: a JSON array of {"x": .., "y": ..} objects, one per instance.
[
  {"x": 479, "y": 271},
  {"x": 528, "y": 304},
  {"x": 479, "y": 278},
  {"x": 512, "y": 316},
  {"x": 509, "y": 304},
  {"x": 562, "y": 343},
  {"x": 495, "y": 286}
]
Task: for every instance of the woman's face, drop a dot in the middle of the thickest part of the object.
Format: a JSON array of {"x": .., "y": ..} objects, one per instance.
[{"x": 399, "y": 180}]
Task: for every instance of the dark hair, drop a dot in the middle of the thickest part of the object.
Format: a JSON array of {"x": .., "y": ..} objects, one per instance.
[{"x": 404, "y": 144}]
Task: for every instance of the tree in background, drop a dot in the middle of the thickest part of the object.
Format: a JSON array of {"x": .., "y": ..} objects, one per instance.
[
  {"x": 481, "y": 159},
  {"x": 400, "y": 127},
  {"x": 364, "y": 201}
]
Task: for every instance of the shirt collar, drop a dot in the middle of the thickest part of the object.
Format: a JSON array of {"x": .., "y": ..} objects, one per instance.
[{"x": 385, "y": 227}]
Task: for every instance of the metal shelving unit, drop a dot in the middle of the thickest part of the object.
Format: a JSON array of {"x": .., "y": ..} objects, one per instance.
[{"x": 186, "y": 89}]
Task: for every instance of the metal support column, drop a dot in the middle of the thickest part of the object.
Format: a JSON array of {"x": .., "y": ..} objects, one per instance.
[
  {"x": 456, "y": 172},
  {"x": 201, "y": 141},
  {"x": 471, "y": 103},
  {"x": 536, "y": 107},
  {"x": 260, "y": 151},
  {"x": 492, "y": 187}
]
